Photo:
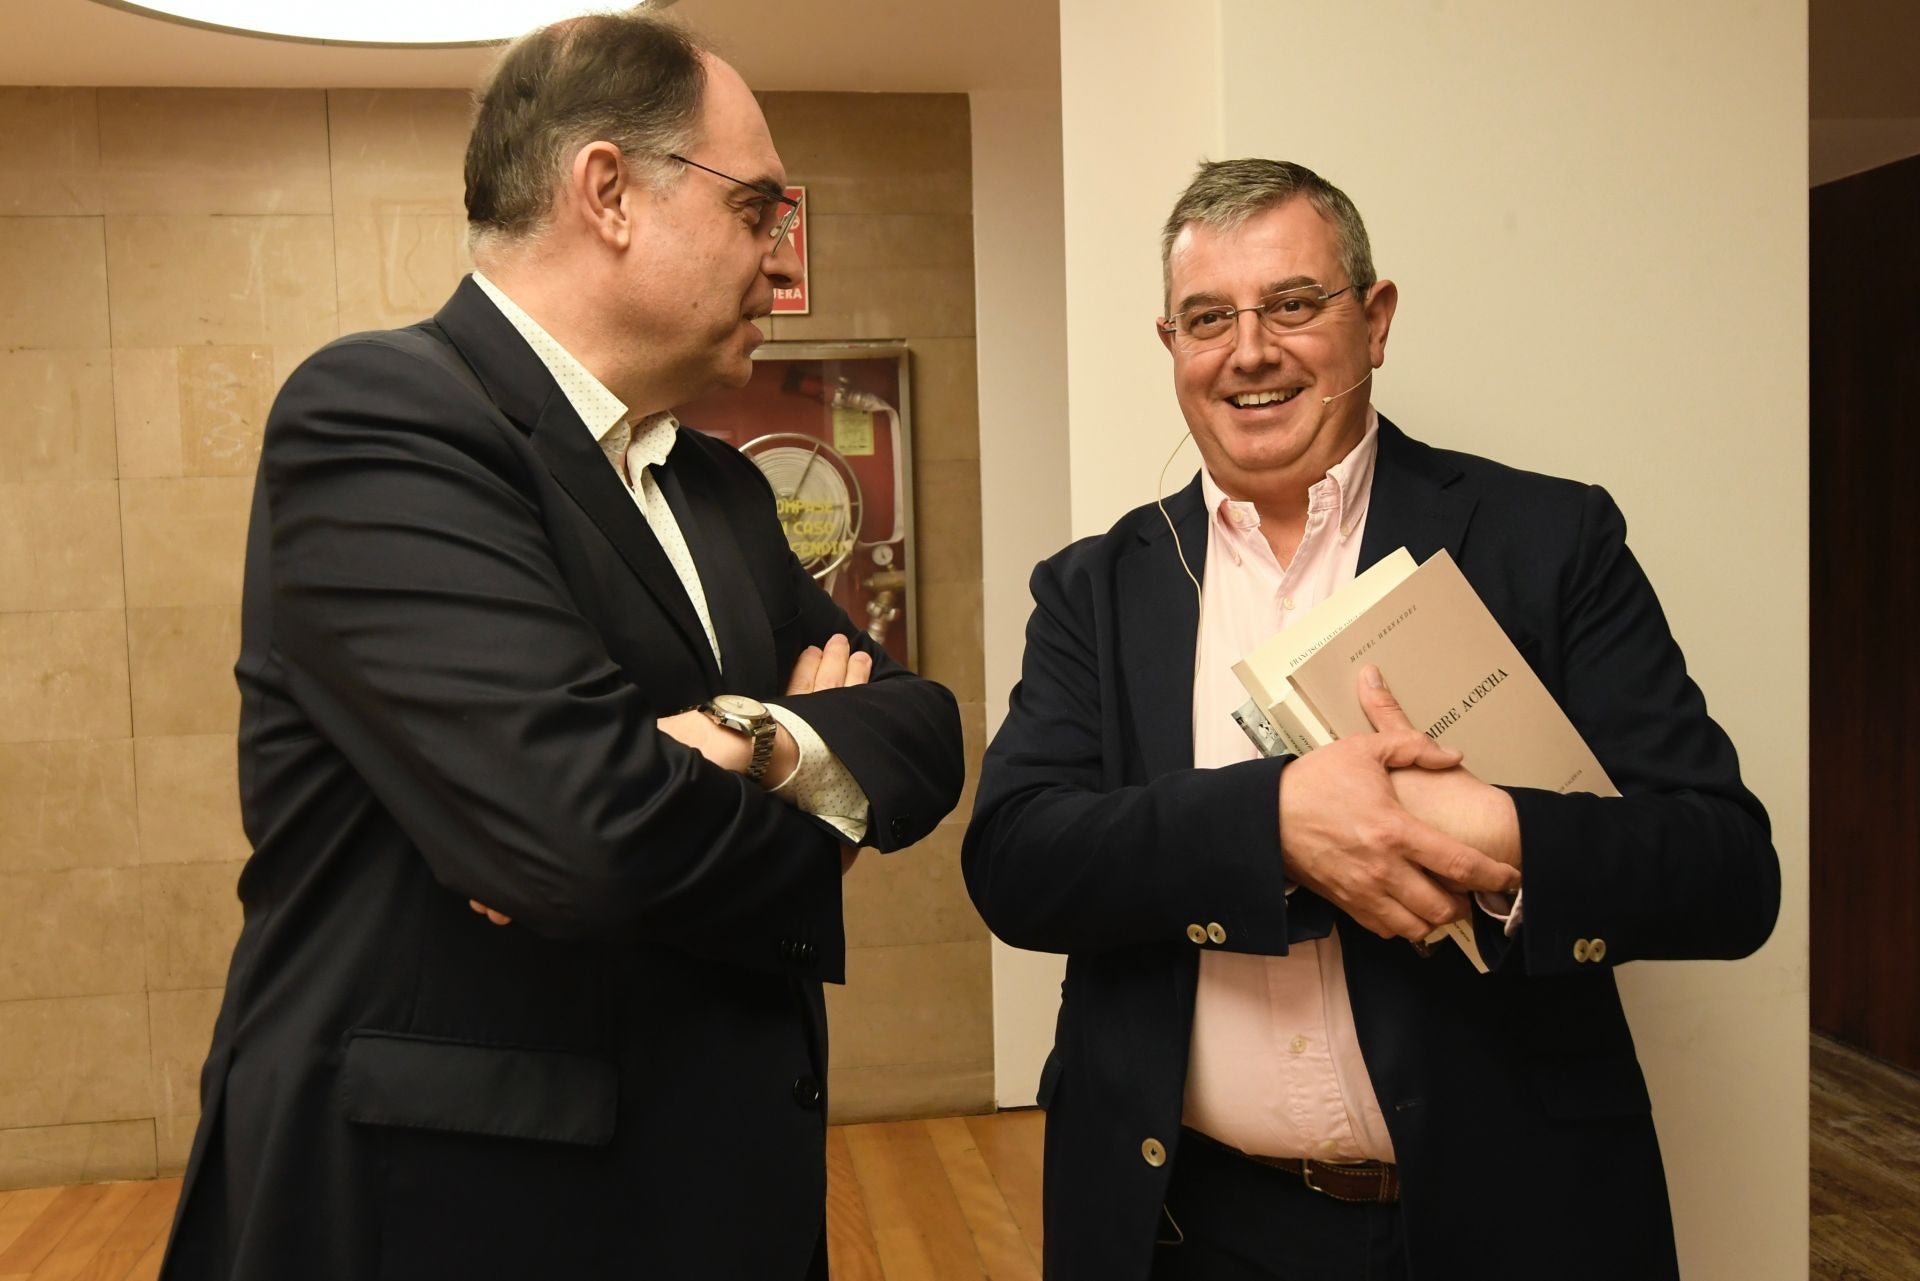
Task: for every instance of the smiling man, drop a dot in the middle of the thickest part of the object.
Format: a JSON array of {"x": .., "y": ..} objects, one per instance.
[
  {"x": 512, "y": 635},
  {"x": 1254, "y": 1074}
]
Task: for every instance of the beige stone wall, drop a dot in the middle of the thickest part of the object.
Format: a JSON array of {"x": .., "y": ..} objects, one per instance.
[{"x": 166, "y": 258}]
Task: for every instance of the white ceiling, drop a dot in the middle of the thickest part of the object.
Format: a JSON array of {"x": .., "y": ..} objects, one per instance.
[{"x": 897, "y": 45}]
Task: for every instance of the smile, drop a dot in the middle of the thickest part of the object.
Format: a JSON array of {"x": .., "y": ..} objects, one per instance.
[{"x": 1252, "y": 399}]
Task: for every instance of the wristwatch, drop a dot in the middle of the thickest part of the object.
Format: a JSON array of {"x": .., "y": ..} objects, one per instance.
[{"x": 747, "y": 716}]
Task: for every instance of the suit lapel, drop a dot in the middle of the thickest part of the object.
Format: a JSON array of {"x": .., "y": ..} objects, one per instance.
[
  {"x": 527, "y": 394},
  {"x": 1159, "y": 624},
  {"x": 1413, "y": 504},
  {"x": 738, "y": 612}
]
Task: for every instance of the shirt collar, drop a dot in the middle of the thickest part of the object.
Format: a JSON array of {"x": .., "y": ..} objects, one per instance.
[
  {"x": 1344, "y": 490},
  {"x": 604, "y": 413}
]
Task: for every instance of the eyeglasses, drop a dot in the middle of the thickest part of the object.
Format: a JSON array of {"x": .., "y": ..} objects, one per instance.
[
  {"x": 1283, "y": 312},
  {"x": 773, "y": 196}
]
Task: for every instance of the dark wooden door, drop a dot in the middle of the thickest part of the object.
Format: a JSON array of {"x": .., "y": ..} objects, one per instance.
[{"x": 1865, "y": 596}]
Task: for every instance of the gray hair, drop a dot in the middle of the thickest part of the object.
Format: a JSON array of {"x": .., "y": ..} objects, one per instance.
[
  {"x": 1225, "y": 193},
  {"x": 627, "y": 78}
]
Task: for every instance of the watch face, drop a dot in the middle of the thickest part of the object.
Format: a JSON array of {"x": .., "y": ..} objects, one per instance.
[{"x": 740, "y": 705}]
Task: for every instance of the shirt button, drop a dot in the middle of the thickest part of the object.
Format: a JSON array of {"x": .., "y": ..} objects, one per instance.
[
  {"x": 1286, "y": 602},
  {"x": 1297, "y": 1045}
]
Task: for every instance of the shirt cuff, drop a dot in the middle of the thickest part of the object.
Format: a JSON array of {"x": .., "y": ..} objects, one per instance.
[
  {"x": 1504, "y": 908},
  {"x": 819, "y": 784}
]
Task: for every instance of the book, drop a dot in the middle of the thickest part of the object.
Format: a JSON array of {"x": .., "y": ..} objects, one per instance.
[{"x": 1449, "y": 663}]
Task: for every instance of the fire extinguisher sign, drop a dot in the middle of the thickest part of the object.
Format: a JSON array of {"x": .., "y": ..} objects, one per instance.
[{"x": 792, "y": 301}]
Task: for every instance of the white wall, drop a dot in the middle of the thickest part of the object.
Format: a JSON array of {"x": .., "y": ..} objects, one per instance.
[
  {"x": 1597, "y": 217},
  {"x": 1140, "y": 106},
  {"x": 1020, "y": 291}
]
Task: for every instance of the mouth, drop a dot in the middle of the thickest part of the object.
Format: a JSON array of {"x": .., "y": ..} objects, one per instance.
[{"x": 1261, "y": 399}]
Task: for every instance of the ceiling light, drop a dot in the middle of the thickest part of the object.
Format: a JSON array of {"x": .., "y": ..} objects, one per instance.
[{"x": 371, "y": 22}]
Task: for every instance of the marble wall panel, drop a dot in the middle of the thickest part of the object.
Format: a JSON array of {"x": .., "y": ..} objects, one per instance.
[
  {"x": 192, "y": 915},
  {"x": 181, "y": 659},
  {"x": 60, "y": 416},
  {"x": 53, "y": 283},
  {"x": 56, "y": 1155},
  {"x": 253, "y": 281},
  {"x": 70, "y": 933},
  {"x": 186, "y": 539},
  {"x": 63, "y": 676},
  {"x": 49, "y": 151},
  {"x": 215, "y": 151},
  {"x": 189, "y": 799},
  {"x": 60, "y": 547},
  {"x": 76, "y": 1059},
  {"x": 67, "y": 805}
]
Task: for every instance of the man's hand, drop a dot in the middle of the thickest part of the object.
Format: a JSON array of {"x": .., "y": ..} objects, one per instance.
[
  {"x": 1346, "y": 836},
  {"x": 837, "y": 665},
  {"x": 1454, "y": 801}
]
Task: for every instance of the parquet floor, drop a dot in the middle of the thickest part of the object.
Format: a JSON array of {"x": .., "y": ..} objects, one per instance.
[
  {"x": 954, "y": 1199},
  {"x": 1865, "y": 1141}
]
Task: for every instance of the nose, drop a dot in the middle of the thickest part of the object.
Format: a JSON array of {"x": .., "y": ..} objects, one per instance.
[
  {"x": 781, "y": 264},
  {"x": 1254, "y": 345}
]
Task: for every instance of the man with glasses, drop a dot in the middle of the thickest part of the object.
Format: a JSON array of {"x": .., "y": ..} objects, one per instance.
[
  {"x": 515, "y": 639},
  {"x": 1255, "y": 1075}
]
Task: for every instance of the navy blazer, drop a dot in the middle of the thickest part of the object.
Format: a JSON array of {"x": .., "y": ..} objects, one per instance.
[
  {"x": 1518, "y": 1111},
  {"x": 458, "y": 632}
]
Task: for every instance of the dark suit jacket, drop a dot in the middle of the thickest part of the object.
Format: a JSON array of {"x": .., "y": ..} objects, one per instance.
[
  {"x": 1516, "y": 1105},
  {"x": 458, "y": 632}
]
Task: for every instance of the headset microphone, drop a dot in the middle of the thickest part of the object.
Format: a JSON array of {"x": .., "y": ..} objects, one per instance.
[{"x": 1328, "y": 400}]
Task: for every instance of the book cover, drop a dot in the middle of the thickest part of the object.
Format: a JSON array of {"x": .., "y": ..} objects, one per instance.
[{"x": 1460, "y": 679}]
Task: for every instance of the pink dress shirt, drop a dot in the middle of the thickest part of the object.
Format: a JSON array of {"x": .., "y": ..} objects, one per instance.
[{"x": 1274, "y": 1065}]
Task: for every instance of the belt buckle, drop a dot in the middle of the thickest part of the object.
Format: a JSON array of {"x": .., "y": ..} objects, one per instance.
[{"x": 1306, "y": 1177}]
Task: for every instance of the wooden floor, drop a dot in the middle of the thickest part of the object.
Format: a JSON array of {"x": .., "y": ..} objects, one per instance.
[
  {"x": 1866, "y": 1168},
  {"x": 956, "y": 1199}
]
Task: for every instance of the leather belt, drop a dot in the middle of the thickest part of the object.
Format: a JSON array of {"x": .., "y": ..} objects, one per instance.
[{"x": 1377, "y": 1181}]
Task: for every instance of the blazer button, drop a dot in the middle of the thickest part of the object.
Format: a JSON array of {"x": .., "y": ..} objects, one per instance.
[
  {"x": 1597, "y": 951},
  {"x": 1216, "y": 932},
  {"x": 806, "y": 954},
  {"x": 1198, "y": 933},
  {"x": 807, "y": 1092},
  {"x": 1581, "y": 949},
  {"x": 1153, "y": 1153}
]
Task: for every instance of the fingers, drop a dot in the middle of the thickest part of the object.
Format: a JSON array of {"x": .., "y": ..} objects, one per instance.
[
  {"x": 804, "y": 670},
  {"x": 1458, "y": 865},
  {"x": 833, "y": 664},
  {"x": 498, "y": 918},
  {"x": 1397, "y": 749},
  {"x": 1377, "y": 701}
]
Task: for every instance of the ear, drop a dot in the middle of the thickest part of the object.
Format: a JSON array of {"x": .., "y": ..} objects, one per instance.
[
  {"x": 600, "y": 193},
  {"x": 1165, "y": 334},
  {"x": 1382, "y": 299}
]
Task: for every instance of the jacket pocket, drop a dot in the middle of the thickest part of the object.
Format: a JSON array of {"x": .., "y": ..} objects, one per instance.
[{"x": 458, "y": 1087}]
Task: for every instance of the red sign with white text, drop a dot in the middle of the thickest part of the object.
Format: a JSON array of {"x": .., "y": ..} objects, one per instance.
[{"x": 793, "y": 301}]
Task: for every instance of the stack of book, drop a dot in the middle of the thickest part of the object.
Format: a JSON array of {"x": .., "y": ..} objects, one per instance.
[{"x": 1450, "y": 666}]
